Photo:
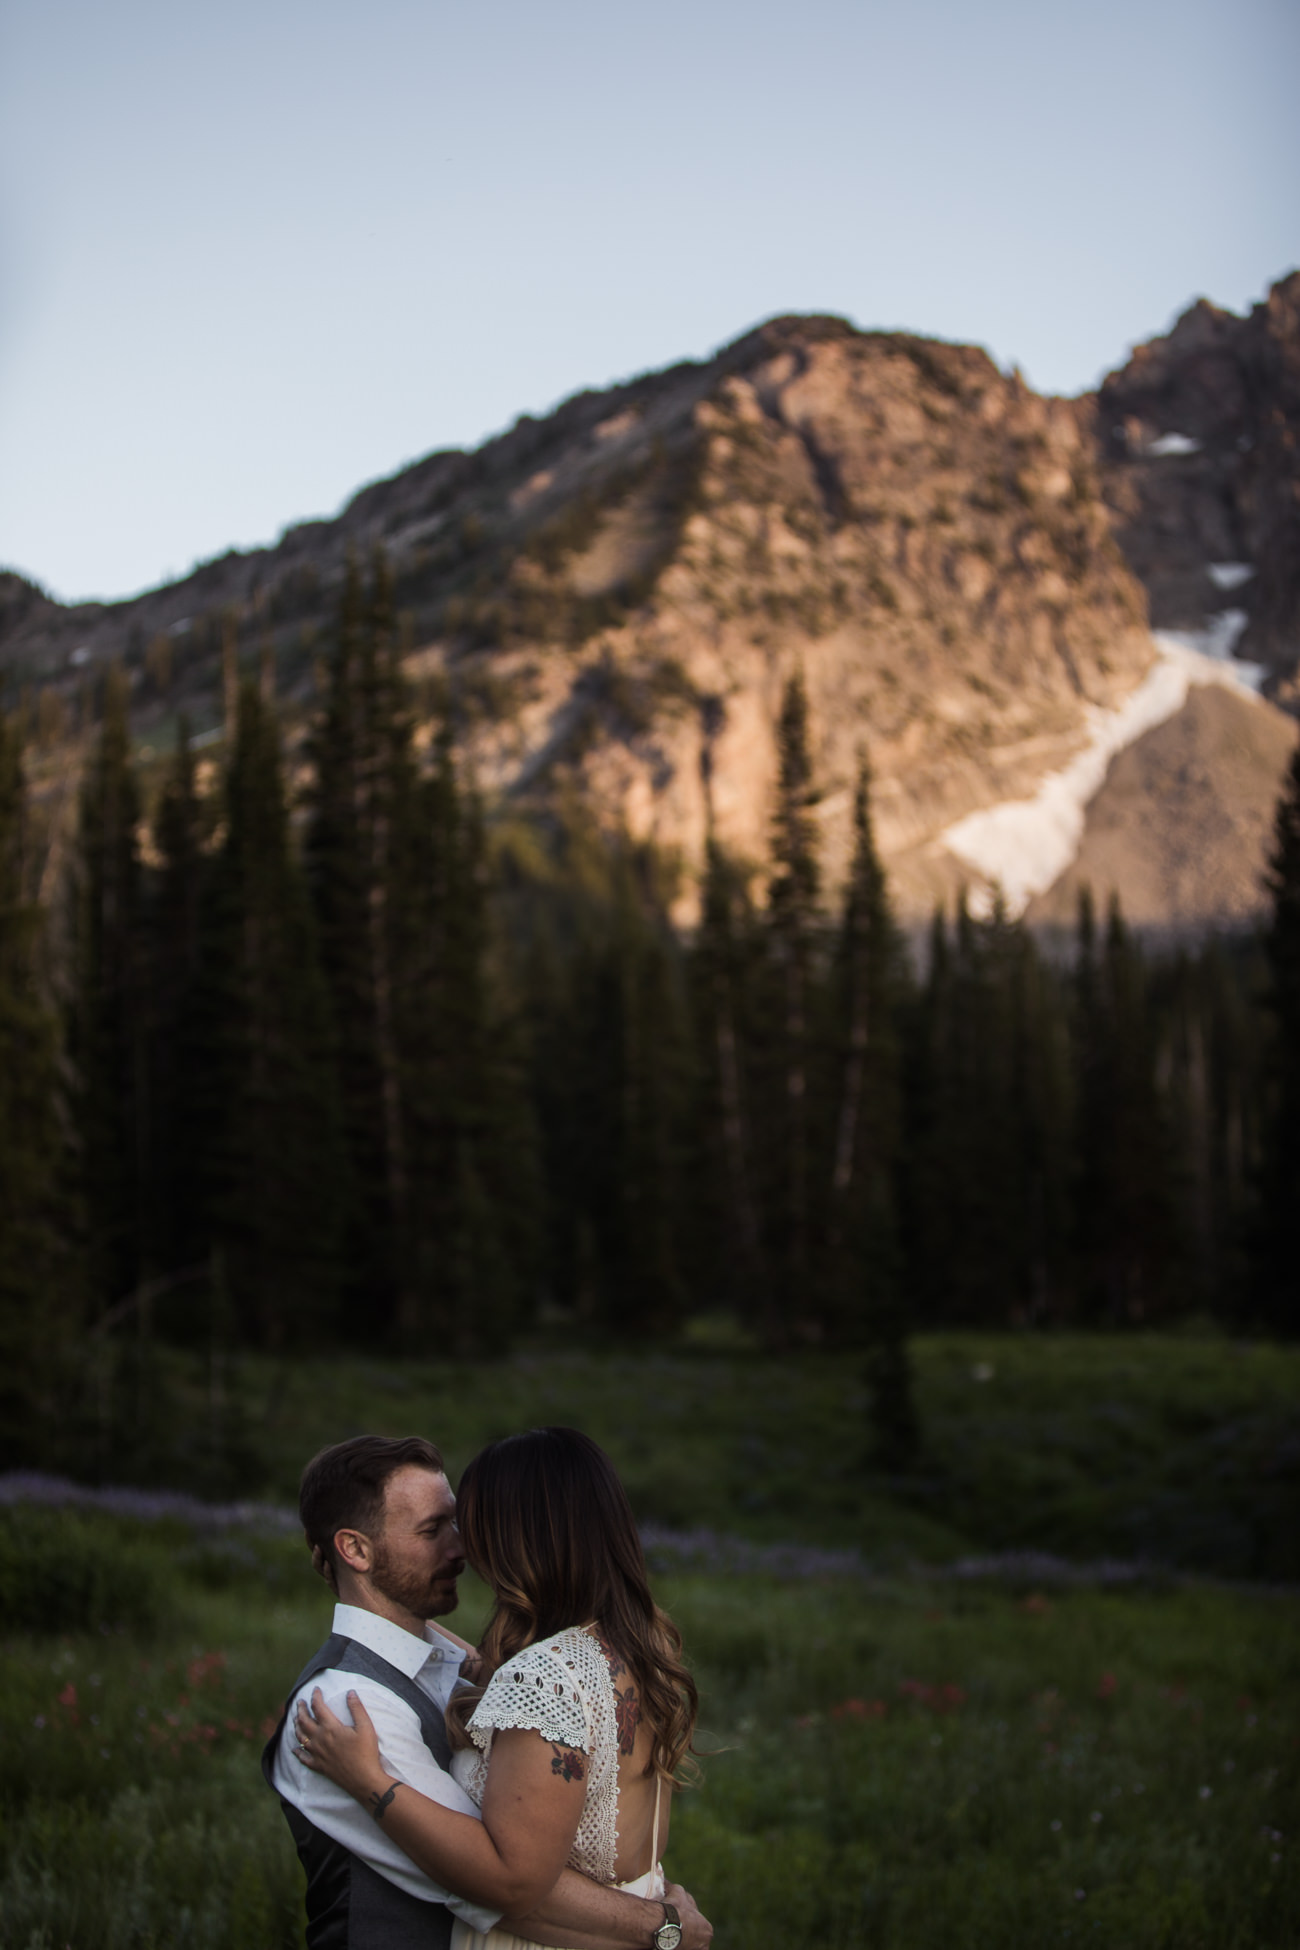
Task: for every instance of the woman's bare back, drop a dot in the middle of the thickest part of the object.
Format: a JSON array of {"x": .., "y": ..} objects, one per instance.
[{"x": 636, "y": 1779}]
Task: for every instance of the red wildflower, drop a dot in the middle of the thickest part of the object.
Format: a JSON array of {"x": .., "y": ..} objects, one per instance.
[
  {"x": 207, "y": 1669},
  {"x": 859, "y": 1709}
]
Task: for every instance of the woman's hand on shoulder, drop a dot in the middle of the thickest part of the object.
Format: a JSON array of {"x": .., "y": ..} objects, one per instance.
[
  {"x": 346, "y": 1755},
  {"x": 471, "y": 1664}
]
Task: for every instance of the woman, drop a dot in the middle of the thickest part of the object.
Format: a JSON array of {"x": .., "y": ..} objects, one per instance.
[{"x": 575, "y": 1736}]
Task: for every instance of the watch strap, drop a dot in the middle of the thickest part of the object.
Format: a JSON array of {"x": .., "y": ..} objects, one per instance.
[{"x": 662, "y": 1940}]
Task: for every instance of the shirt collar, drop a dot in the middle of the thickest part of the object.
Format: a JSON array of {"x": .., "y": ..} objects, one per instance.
[{"x": 410, "y": 1652}]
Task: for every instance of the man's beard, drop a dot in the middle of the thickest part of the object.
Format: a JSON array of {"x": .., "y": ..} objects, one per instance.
[{"x": 423, "y": 1596}]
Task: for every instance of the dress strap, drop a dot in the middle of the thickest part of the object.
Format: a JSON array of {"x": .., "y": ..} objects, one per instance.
[{"x": 654, "y": 1837}]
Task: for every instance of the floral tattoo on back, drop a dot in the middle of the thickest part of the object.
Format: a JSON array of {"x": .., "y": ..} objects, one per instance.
[
  {"x": 627, "y": 1704},
  {"x": 568, "y": 1762}
]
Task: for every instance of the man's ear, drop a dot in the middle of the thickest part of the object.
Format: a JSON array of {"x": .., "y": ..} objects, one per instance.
[{"x": 354, "y": 1548}]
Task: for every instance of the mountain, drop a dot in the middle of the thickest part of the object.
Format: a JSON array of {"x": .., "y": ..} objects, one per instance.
[
  {"x": 1199, "y": 435},
  {"x": 609, "y": 600}
]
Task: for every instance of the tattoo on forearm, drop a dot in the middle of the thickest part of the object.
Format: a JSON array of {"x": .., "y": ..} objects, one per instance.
[
  {"x": 380, "y": 1803},
  {"x": 568, "y": 1763}
]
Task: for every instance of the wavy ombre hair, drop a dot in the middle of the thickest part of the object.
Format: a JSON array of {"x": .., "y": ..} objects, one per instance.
[{"x": 546, "y": 1523}]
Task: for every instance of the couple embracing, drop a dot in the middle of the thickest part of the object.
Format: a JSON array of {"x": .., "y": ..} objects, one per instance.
[{"x": 447, "y": 1797}]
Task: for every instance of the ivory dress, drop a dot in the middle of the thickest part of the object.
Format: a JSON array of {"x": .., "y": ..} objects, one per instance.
[{"x": 561, "y": 1688}]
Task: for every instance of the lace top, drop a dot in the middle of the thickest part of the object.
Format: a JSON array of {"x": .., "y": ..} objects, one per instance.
[{"x": 560, "y": 1688}]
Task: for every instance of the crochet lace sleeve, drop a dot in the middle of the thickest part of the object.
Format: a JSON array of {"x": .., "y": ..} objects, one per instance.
[{"x": 534, "y": 1690}]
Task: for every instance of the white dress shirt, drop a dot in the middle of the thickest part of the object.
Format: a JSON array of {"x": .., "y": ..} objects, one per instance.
[{"x": 433, "y": 1662}]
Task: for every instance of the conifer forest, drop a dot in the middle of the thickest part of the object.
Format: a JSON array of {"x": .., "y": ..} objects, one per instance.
[{"x": 323, "y": 1056}]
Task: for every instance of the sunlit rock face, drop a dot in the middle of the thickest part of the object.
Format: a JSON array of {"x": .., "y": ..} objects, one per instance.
[
  {"x": 920, "y": 535},
  {"x": 611, "y": 599}
]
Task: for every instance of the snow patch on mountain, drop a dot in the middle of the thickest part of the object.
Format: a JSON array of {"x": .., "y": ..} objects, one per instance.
[
  {"x": 1173, "y": 446},
  {"x": 1230, "y": 575},
  {"x": 1024, "y": 845}
]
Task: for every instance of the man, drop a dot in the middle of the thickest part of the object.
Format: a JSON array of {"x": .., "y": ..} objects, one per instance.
[{"x": 380, "y": 1519}]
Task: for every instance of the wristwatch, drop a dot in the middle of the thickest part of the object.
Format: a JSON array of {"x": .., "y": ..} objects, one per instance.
[{"x": 669, "y": 1933}]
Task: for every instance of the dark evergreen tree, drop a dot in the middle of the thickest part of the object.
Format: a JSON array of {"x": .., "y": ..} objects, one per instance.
[
  {"x": 989, "y": 1164},
  {"x": 107, "y": 1029},
  {"x": 437, "y": 1132},
  {"x": 615, "y": 1094},
  {"x": 863, "y": 1281},
  {"x": 174, "y": 1213},
  {"x": 866, "y": 993},
  {"x": 964, "y": 1140},
  {"x": 1090, "y": 1067},
  {"x": 364, "y": 767},
  {"x": 653, "y": 1091},
  {"x": 729, "y": 1248},
  {"x": 1278, "y": 1269},
  {"x": 275, "y": 1174},
  {"x": 471, "y": 1139},
  {"x": 37, "y": 1274},
  {"x": 1125, "y": 1206},
  {"x": 792, "y": 924},
  {"x": 1042, "y": 1082},
  {"x": 929, "y": 1210},
  {"x": 1211, "y": 1037},
  {"x": 987, "y": 1274}
]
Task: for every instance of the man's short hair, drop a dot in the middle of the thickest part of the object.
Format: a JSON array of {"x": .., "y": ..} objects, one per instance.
[{"x": 343, "y": 1487}]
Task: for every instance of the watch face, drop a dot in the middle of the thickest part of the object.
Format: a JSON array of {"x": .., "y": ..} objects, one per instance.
[{"x": 668, "y": 1936}]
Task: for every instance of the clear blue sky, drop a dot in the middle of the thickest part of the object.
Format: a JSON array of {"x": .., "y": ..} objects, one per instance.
[{"x": 256, "y": 253}]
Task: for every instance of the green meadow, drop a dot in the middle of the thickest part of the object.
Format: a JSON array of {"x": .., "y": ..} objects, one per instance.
[{"x": 915, "y": 1731}]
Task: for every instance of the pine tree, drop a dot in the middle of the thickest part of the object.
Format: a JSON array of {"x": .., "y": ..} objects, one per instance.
[
  {"x": 471, "y": 1142},
  {"x": 107, "y": 1030},
  {"x": 651, "y": 1091},
  {"x": 437, "y": 1136},
  {"x": 864, "y": 1274},
  {"x": 275, "y": 1177},
  {"x": 1042, "y": 1121},
  {"x": 175, "y": 1223},
  {"x": 962, "y": 1142},
  {"x": 362, "y": 760},
  {"x": 1277, "y": 1277},
  {"x": 1124, "y": 1210},
  {"x": 927, "y": 1203},
  {"x": 867, "y": 982},
  {"x": 36, "y": 1275},
  {"x": 729, "y": 1247},
  {"x": 988, "y": 1129},
  {"x": 792, "y": 928}
]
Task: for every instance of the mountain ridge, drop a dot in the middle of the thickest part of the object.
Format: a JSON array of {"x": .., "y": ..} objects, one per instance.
[{"x": 609, "y": 598}]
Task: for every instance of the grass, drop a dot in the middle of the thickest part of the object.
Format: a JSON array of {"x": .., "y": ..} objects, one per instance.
[
  {"x": 131, "y": 1811},
  {"x": 909, "y": 1768},
  {"x": 1186, "y": 1450},
  {"x": 900, "y": 1761}
]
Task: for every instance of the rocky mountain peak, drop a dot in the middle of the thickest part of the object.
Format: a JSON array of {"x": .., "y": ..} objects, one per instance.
[{"x": 609, "y": 599}]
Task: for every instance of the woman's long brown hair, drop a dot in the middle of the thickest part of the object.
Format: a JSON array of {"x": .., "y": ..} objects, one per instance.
[{"x": 546, "y": 1523}]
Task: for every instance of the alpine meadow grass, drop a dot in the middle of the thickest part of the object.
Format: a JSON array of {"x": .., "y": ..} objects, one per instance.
[{"x": 917, "y": 1728}]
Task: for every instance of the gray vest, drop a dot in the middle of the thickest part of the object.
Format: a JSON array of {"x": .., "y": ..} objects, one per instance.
[{"x": 350, "y": 1906}]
